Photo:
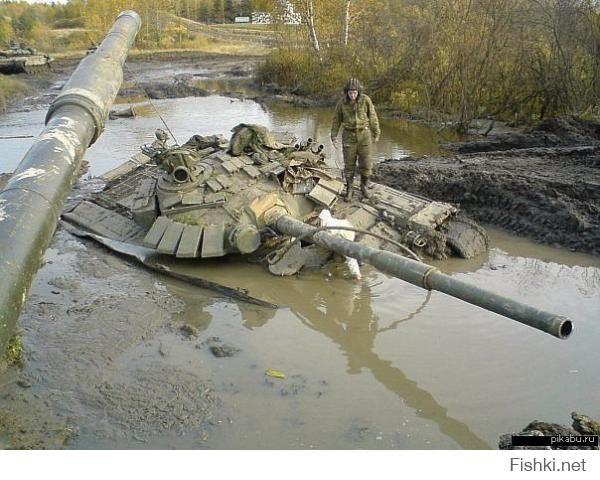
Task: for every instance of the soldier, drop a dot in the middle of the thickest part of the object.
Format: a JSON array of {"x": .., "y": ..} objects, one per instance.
[{"x": 356, "y": 113}]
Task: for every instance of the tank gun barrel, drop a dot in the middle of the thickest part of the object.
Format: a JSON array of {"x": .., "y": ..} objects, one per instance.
[
  {"x": 427, "y": 277},
  {"x": 31, "y": 202}
]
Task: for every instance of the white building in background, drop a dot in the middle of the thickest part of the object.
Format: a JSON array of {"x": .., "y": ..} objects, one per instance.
[
  {"x": 262, "y": 18},
  {"x": 285, "y": 14}
]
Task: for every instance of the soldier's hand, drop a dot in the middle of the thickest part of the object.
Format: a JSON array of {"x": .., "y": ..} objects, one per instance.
[
  {"x": 376, "y": 139},
  {"x": 335, "y": 142}
]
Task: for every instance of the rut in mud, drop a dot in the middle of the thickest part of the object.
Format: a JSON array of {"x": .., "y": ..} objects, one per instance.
[{"x": 549, "y": 194}]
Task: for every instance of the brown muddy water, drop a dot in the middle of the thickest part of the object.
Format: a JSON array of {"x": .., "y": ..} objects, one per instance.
[{"x": 118, "y": 357}]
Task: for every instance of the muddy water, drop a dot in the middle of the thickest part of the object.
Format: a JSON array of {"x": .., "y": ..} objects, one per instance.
[
  {"x": 382, "y": 364},
  {"x": 373, "y": 364},
  {"x": 206, "y": 116}
]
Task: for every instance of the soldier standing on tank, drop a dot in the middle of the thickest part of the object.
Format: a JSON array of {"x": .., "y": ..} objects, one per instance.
[{"x": 356, "y": 114}]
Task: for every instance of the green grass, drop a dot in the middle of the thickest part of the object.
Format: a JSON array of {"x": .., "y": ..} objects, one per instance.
[{"x": 10, "y": 88}]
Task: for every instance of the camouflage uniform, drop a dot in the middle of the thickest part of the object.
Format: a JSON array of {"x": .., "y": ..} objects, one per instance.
[{"x": 360, "y": 128}]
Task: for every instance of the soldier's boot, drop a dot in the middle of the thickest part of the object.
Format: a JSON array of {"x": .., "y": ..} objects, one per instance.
[
  {"x": 365, "y": 186},
  {"x": 349, "y": 188}
]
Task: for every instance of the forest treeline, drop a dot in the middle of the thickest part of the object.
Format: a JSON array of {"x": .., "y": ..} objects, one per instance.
[
  {"x": 21, "y": 21},
  {"x": 450, "y": 60},
  {"x": 441, "y": 60}
]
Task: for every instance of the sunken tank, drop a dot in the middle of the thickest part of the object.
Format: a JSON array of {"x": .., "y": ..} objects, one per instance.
[
  {"x": 208, "y": 198},
  {"x": 261, "y": 196},
  {"x": 23, "y": 59}
]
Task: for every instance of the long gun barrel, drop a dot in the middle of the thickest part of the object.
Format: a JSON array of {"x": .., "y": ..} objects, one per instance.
[
  {"x": 31, "y": 202},
  {"x": 427, "y": 277}
]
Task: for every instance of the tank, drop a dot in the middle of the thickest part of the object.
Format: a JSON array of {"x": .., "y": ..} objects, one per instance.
[
  {"x": 261, "y": 196},
  {"x": 23, "y": 59},
  {"x": 207, "y": 198}
]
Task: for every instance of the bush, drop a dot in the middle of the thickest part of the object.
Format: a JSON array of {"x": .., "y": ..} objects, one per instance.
[
  {"x": 62, "y": 40},
  {"x": 10, "y": 88},
  {"x": 301, "y": 72},
  {"x": 69, "y": 23}
]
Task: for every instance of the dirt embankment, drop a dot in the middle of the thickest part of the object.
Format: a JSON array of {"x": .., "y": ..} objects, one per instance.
[
  {"x": 172, "y": 74},
  {"x": 543, "y": 184},
  {"x": 553, "y": 132}
]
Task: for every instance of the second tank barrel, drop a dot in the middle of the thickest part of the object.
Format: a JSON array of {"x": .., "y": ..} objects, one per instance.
[
  {"x": 428, "y": 277},
  {"x": 32, "y": 200}
]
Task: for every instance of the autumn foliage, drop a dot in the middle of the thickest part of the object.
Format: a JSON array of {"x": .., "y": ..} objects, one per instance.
[{"x": 449, "y": 60}]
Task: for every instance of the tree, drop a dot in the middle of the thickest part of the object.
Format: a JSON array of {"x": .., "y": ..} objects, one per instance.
[
  {"x": 204, "y": 13},
  {"x": 306, "y": 9},
  {"x": 347, "y": 23},
  {"x": 27, "y": 22},
  {"x": 6, "y": 31},
  {"x": 229, "y": 11},
  {"x": 218, "y": 13},
  {"x": 246, "y": 8}
]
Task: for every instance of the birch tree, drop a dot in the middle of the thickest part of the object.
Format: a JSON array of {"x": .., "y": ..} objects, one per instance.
[
  {"x": 346, "y": 22},
  {"x": 307, "y": 10}
]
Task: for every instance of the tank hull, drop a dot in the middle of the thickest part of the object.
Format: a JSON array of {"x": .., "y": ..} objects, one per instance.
[
  {"x": 23, "y": 61},
  {"x": 210, "y": 199}
]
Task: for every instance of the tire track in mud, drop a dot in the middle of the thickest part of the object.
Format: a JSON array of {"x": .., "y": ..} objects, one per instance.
[{"x": 551, "y": 195}]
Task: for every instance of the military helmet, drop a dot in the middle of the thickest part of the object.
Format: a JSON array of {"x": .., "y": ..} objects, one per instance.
[{"x": 353, "y": 84}]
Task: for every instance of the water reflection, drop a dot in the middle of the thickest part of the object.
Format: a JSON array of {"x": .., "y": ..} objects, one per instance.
[
  {"x": 343, "y": 311},
  {"x": 531, "y": 273},
  {"x": 350, "y": 322}
]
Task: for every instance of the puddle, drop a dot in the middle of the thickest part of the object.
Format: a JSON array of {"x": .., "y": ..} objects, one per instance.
[
  {"x": 376, "y": 364},
  {"x": 206, "y": 116}
]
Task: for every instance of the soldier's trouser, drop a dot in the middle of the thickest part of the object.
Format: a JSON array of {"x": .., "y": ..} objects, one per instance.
[{"x": 357, "y": 147}]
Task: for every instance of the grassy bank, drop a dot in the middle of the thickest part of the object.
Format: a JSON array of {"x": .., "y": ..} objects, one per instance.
[
  {"x": 10, "y": 90},
  {"x": 189, "y": 46},
  {"x": 400, "y": 90}
]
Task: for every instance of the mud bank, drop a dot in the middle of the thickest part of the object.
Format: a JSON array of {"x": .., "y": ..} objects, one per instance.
[
  {"x": 582, "y": 425},
  {"x": 162, "y": 75},
  {"x": 113, "y": 325},
  {"x": 550, "y": 194},
  {"x": 159, "y": 90},
  {"x": 553, "y": 132}
]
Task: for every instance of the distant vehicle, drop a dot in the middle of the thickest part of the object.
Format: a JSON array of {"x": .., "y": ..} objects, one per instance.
[{"x": 23, "y": 59}]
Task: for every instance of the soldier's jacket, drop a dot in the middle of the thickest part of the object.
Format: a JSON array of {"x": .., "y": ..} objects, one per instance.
[{"x": 355, "y": 117}]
